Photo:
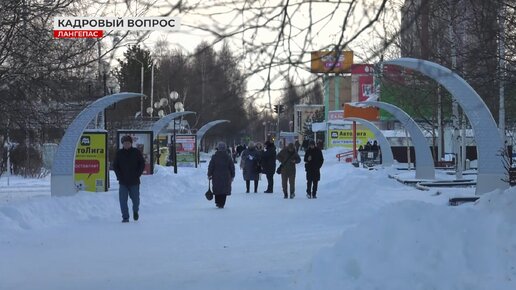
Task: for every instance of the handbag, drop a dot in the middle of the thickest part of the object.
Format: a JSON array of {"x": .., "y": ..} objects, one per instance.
[{"x": 209, "y": 194}]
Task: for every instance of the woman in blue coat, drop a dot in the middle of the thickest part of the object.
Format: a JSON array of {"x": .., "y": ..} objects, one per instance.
[
  {"x": 250, "y": 165},
  {"x": 221, "y": 171}
]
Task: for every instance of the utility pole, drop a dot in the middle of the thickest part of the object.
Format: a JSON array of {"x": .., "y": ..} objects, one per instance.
[
  {"x": 8, "y": 151},
  {"x": 455, "y": 106}
]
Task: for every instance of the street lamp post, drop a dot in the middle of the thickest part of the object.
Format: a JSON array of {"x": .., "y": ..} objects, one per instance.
[
  {"x": 141, "y": 87},
  {"x": 265, "y": 130},
  {"x": 152, "y": 89},
  {"x": 105, "y": 72},
  {"x": 178, "y": 106}
]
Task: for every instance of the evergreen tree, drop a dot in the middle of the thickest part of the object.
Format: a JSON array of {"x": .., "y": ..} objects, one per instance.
[{"x": 129, "y": 78}]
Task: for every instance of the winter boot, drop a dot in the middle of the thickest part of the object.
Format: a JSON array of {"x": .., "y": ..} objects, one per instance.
[
  {"x": 135, "y": 216},
  {"x": 292, "y": 195},
  {"x": 308, "y": 195},
  {"x": 285, "y": 195}
]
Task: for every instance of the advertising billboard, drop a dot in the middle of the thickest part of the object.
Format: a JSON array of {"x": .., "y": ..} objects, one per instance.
[
  {"x": 186, "y": 150},
  {"x": 143, "y": 141},
  {"x": 344, "y": 138},
  {"x": 90, "y": 173},
  {"x": 331, "y": 61},
  {"x": 362, "y": 76},
  {"x": 305, "y": 115}
]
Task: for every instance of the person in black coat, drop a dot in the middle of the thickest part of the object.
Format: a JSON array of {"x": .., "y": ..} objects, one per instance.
[
  {"x": 269, "y": 165},
  {"x": 221, "y": 172},
  {"x": 374, "y": 148},
  {"x": 313, "y": 163},
  {"x": 128, "y": 166},
  {"x": 305, "y": 144}
]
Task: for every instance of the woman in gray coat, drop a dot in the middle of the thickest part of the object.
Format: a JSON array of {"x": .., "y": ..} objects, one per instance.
[
  {"x": 221, "y": 171},
  {"x": 250, "y": 165}
]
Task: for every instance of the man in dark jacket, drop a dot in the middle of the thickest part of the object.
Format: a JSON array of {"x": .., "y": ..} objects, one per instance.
[
  {"x": 221, "y": 172},
  {"x": 288, "y": 158},
  {"x": 313, "y": 163},
  {"x": 269, "y": 165},
  {"x": 128, "y": 166}
]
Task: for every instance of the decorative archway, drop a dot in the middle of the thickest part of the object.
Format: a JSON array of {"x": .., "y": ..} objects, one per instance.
[
  {"x": 206, "y": 128},
  {"x": 61, "y": 181},
  {"x": 491, "y": 171},
  {"x": 387, "y": 157},
  {"x": 161, "y": 123},
  {"x": 425, "y": 163}
]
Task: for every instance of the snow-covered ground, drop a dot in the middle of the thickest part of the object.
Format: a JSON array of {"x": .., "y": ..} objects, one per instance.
[{"x": 365, "y": 231}]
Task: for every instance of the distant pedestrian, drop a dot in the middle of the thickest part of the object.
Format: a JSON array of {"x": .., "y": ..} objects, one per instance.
[
  {"x": 249, "y": 163},
  {"x": 368, "y": 146},
  {"x": 361, "y": 152},
  {"x": 268, "y": 162},
  {"x": 288, "y": 158},
  {"x": 221, "y": 172},
  {"x": 239, "y": 149},
  {"x": 128, "y": 166},
  {"x": 313, "y": 163},
  {"x": 305, "y": 144},
  {"x": 297, "y": 145},
  {"x": 260, "y": 149},
  {"x": 374, "y": 149},
  {"x": 233, "y": 154}
]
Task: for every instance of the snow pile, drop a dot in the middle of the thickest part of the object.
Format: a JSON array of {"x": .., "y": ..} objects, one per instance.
[
  {"x": 416, "y": 245},
  {"x": 161, "y": 188},
  {"x": 365, "y": 231}
]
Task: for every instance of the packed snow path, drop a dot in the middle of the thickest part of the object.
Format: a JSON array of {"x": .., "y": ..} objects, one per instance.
[{"x": 182, "y": 241}]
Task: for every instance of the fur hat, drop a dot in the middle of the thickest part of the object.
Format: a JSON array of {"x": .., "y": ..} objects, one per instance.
[
  {"x": 127, "y": 138},
  {"x": 221, "y": 146}
]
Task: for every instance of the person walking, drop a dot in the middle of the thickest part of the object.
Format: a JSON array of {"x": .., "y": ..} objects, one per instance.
[
  {"x": 221, "y": 172},
  {"x": 269, "y": 165},
  {"x": 374, "y": 149},
  {"x": 313, "y": 163},
  {"x": 304, "y": 145},
  {"x": 249, "y": 164},
  {"x": 288, "y": 158},
  {"x": 297, "y": 145},
  {"x": 128, "y": 166}
]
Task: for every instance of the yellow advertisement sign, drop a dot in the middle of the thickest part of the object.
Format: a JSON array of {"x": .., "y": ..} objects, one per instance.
[
  {"x": 331, "y": 62},
  {"x": 90, "y": 162},
  {"x": 344, "y": 138}
]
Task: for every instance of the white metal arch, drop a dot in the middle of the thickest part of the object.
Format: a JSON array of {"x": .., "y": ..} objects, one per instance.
[
  {"x": 387, "y": 157},
  {"x": 424, "y": 162},
  {"x": 161, "y": 123},
  {"x": 61, "y": 182},
  {"x": 208, "y": 126},
  {"x": 491, "y": 171}
]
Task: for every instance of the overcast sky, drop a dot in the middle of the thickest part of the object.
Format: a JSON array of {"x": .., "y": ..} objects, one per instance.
[{"x": 221, "y": 16}]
